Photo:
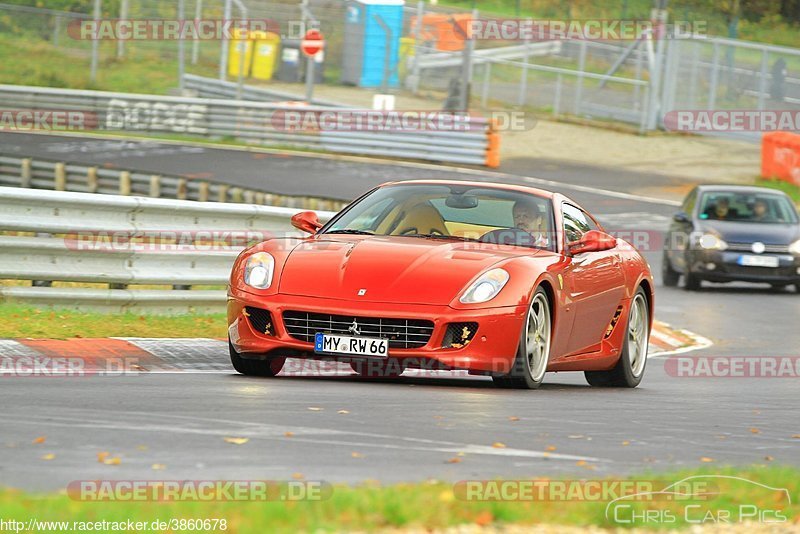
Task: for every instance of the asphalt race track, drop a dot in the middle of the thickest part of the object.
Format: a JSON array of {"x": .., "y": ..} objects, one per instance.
[{"x": 407, "y": 429}]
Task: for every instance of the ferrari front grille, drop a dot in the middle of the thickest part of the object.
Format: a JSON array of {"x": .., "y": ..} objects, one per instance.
[{"x": 401, "y": 333}]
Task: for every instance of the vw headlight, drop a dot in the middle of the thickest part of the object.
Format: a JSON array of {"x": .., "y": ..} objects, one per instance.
[
  {"x": 711, "y": 242},
  {"x": 486, "y": 287},
  {"x": 258, "y": 270},
  {"x": 794, "y": 248}
]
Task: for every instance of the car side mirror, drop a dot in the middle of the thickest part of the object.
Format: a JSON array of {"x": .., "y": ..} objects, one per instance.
[
  {"x": 592, "y": 241},
  {"x": 306, "y": 221},
  {"x": 681, "y": 217}
]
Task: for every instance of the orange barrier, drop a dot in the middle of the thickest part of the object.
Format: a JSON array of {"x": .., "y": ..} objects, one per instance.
[
  {"x": 441, "y": 29},
  {"x": 493, "y": 150},
  {"x": 780, "y": 156}
]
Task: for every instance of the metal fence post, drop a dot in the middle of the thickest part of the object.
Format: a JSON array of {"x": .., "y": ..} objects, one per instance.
[
  {"x": 695, "y": 60},
  {"x": 123, "y": 14},
  {"x": 523, "y": 86},
  {"x": 712, "y": 86},
  {"x": 198, "y": 13},
  {"x": 487, "y": 73},
  {"x": 762, "y": 83},
  {"x": 226, "y": 43},
  {"x": 579, "y": 84},
  {"x": 95, "y": 43},
  {"x": 557, "y": 97},
  {"x": 56, "y": 30},
  {"x": 418, "y": 49},
  {"x": 181, "y": 47}
]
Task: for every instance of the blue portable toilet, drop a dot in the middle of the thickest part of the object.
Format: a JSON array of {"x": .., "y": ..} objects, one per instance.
[{"x": 369, "y": 24}]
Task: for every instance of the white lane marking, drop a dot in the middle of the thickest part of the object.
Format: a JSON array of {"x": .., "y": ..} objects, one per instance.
[
  {"x": 482, "y": 174},
  {"x": 267, "y": 431},
  {"x": 666, "y": 338},
  {"x": 698, "y": 343}
]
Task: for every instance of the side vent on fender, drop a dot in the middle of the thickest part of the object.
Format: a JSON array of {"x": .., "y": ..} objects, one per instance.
[{"x": 613, "y": 323}]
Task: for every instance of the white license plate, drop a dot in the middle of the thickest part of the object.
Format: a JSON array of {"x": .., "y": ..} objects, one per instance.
[
  {"x": 359, "y": 346},
  {"x": 759, "y": 261}
]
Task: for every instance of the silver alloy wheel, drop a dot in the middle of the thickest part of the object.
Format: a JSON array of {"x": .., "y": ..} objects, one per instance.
[
  {"x": 537, "y": 337},
  {"x": 638, "y": 335}
]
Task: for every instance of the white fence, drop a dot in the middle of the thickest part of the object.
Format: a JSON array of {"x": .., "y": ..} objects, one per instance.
[{"x": 121, "y": 241}]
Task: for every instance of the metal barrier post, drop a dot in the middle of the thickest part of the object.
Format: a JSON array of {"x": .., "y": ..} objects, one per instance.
[{"x": 25, "y": 173}]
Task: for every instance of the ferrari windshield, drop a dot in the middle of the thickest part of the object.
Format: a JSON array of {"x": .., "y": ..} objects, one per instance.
[
  {"x": 451, "y": 212},
  {"x": 747, "y": 207}
]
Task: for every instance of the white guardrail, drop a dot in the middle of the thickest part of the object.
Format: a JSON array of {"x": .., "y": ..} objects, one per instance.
[
  {"x": 255, "y": 122},
  {"x": 122, "y": 241}
]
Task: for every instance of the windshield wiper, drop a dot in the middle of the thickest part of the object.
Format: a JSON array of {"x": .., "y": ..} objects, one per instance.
[{"x": 350, "y": 231}]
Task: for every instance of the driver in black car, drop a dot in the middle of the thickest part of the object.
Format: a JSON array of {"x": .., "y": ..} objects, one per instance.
[{"x": 721, "y": 210}]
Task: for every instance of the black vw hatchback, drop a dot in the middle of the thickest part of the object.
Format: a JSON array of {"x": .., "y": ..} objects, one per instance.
[{"x": 728, "y": 233}]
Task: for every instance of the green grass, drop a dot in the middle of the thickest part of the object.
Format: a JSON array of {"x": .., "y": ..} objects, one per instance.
[
  {"x": 790, "y": 189},
  {"x": 371, "y": 507},
  {"x": 18, "y": 321},
  {"x": 31, "y": 61}
]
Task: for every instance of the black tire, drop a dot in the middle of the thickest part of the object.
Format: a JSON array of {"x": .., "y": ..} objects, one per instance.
[
  {"x": 691, "y": 281},
  {"x": 669, "y": 275},
  {"x": 779, "y": 288},
  {"x": 521, "y": 376},
  {"x": 252, "y": 367},
  {"x": 377, "y": 368},
  {"x": 622, "y": 375},
  {"x": 797, "y": 288}
]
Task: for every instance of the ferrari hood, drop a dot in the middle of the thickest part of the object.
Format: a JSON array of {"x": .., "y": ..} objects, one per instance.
[{"x": 388, "y": 269}]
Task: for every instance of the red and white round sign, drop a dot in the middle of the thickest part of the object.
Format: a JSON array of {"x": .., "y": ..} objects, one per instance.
[{"x": 312, "y": 43}]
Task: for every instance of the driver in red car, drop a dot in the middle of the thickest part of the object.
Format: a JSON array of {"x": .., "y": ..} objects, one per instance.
[{"x": 527, "y": 217}]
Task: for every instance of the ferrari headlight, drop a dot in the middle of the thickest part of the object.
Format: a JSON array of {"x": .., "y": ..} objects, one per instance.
[
  {"x": 486, "y": 287},
  {"x": 794, "y": 248},
  {"x": 258, "y": 270},
  {"x": 711, "y": 242}
]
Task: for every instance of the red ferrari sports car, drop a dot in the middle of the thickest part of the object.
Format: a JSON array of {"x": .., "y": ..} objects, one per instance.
[{"x": 502, "y": 280}]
